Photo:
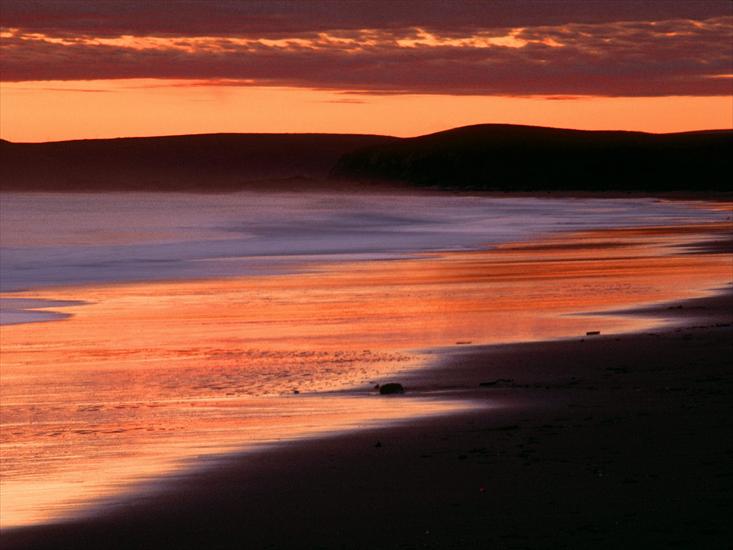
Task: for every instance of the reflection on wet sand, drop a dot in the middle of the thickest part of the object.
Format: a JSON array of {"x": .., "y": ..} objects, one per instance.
[{"x": 144, "y": 377}]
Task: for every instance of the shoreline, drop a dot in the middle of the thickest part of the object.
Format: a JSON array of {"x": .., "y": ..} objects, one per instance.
[
  {"x": 603, "y": 441},
  {"x": 380, "y": 187},
  {"x": 575, "y": 256}
]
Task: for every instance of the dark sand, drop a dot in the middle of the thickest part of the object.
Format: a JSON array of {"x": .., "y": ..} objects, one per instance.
[{"x": 597, "y": 442}]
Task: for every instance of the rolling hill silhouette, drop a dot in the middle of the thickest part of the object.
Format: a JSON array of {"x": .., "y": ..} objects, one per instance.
[
  {"x": 208, "y": 162},
  {"x": 482, "y": 157},
  {"x": 529, "y": 158}
]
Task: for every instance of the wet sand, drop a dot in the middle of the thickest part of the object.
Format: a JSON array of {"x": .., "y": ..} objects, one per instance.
[{"x": 598, "y": 441}]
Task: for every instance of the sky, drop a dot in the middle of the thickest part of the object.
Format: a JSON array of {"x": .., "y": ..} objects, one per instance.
[{"x": 74, "y": 69}]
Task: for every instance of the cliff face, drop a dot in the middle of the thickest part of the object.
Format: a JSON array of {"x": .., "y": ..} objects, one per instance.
[
  {"x": 524, "y": 158},
  {"x": 214, "y": 162}
]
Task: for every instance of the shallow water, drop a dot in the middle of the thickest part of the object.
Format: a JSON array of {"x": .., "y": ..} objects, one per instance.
[{"x": 158, "y": 362}]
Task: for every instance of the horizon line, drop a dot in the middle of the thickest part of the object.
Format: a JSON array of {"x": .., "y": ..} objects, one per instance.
[{"x": 563, "y": 128}]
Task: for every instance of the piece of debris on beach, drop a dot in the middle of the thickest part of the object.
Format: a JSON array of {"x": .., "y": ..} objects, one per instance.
[{"x": 497, "y": 383}]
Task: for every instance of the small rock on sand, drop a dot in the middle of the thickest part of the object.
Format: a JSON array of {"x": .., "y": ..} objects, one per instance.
[{"x": 392, "y": 388}]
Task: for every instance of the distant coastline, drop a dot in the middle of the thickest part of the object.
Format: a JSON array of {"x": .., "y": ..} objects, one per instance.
[{"x": 487, "y": 157}]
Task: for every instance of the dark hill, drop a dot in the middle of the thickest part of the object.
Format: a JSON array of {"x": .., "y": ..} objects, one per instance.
[
  {"x": 211, "y": 162},
  {"x": 528, "y": 158},
  {"x": 483, "y": 157}
]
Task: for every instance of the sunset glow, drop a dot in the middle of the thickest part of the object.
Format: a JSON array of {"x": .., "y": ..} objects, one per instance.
[
  {"x": 77, "y": 72},
  {"x": 365, "y": 274},
  {"x": 57, "y": 110}
]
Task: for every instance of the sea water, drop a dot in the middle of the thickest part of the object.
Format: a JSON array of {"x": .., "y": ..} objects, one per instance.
[
  {"x": 51, "y": 239},
  {"x": 142, "y": 332}
]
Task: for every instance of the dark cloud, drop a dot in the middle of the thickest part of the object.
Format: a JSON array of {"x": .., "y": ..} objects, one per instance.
[
  {"x": 302, "y": 17},
  {"x": 599, "y": 48}
]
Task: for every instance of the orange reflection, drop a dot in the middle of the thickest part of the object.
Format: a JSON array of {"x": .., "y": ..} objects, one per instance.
[{"x": 148, "y": 375}]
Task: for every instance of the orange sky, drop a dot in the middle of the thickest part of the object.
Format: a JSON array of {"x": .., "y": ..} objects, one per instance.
[
  {"x": 79, "y": 69},
  {"x": 57, "y": 110}
]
